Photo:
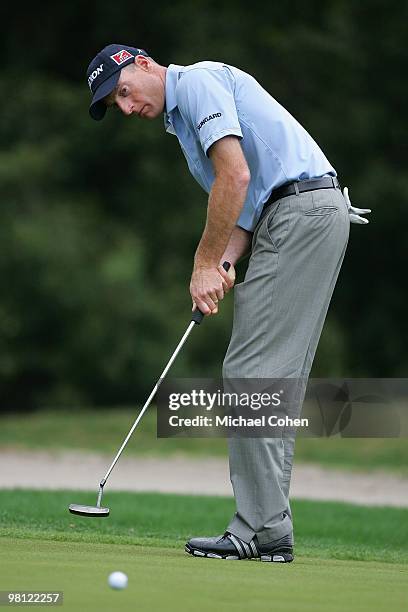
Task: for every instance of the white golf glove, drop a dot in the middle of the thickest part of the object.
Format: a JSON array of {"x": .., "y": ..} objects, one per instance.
[{"x": 354, "y": 213}]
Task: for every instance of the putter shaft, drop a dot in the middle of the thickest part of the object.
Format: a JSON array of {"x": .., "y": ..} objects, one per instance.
[
  {"x": 197, "y": 318},
  {"x": 146, "y": 405}
]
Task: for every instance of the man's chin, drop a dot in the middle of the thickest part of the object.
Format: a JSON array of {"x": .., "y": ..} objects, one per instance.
[{"x": 150, "y": 116}]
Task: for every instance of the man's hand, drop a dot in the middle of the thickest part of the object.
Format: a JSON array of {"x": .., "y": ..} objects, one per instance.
[{"x": 208, "y": 286}]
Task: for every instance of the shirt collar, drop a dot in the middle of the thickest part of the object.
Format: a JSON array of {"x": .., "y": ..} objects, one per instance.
[{"x": 172, "y": 77}]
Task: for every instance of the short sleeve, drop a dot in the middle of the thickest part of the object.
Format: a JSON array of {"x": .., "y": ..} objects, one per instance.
[{"x": 205, "y": 99}]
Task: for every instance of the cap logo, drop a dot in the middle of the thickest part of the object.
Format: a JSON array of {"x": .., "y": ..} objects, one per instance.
[
  {"x": 94, "y": 74},
  {"x": 121, "y": 56}
]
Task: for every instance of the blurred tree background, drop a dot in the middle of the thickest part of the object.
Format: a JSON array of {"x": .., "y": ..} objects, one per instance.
[{"x": 100, "y": 221}]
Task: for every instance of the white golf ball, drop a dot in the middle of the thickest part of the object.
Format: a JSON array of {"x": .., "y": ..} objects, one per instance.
[{"x": 118, "y": 580}]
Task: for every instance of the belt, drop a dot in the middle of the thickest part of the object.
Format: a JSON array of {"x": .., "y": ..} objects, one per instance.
[{"x": 326, "y": 182}]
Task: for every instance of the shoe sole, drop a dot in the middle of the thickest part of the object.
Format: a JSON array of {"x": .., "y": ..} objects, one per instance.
[{"x": 278, "y": 557}]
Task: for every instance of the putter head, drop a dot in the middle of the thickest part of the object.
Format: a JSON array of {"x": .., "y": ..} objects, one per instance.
[{"x": 88, "y": 510}]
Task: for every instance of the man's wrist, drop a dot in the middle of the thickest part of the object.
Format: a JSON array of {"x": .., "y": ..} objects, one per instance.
[{"x": 200, "y": 264}]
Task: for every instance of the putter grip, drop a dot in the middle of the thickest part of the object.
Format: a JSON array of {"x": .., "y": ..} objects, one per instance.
[{"x": 198, "y": 316}]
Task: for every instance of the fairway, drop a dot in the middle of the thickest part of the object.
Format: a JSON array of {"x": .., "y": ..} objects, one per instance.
[
  {"x": 346, "y": 556},
  {"x": 85, "y": 430}
]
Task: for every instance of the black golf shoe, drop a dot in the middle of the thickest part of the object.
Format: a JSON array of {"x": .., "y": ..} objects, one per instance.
[{"x": 231, "y": 547}]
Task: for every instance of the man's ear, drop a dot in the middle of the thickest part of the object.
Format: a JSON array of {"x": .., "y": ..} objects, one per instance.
[{"x": 141, "y": 61}]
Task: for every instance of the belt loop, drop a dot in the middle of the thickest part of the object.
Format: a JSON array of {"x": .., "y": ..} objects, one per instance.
[
  {"x": 334, "y": 183},
  {"x": 296, "y": 186}
]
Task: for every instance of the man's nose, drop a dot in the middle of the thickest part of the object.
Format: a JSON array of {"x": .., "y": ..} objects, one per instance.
[{"x": 126, "y": 108}]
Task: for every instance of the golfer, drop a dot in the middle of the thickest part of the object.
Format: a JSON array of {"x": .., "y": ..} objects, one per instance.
[{"x": 273, "y": 195}]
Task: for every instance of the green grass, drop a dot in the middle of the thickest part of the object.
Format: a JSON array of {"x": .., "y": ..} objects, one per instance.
[
  {"x": 325, "y": 529},
  {"x": 97, "y": 430},
  {"x": 104, "y": 430},
  {"x": 166, "y": 579},
  {"x": 347, "y": 557}
]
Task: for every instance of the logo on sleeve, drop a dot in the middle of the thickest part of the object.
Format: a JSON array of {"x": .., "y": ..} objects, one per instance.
[
  {"x": 204, "y": 121},
  {"x": 121, "y": 56}
]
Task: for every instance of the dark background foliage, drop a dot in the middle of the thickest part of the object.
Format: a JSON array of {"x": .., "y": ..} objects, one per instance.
[{"x": 99, "y": 222}]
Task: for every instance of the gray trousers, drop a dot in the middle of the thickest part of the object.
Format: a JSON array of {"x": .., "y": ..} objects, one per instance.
[{"x": 279, "y": 311}]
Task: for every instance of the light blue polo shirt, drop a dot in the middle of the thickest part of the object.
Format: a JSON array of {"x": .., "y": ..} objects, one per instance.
[{"x": 209, "y": 100}]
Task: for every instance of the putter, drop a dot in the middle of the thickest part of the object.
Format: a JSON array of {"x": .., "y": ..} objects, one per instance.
[{"x": 98, "y": 511}]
